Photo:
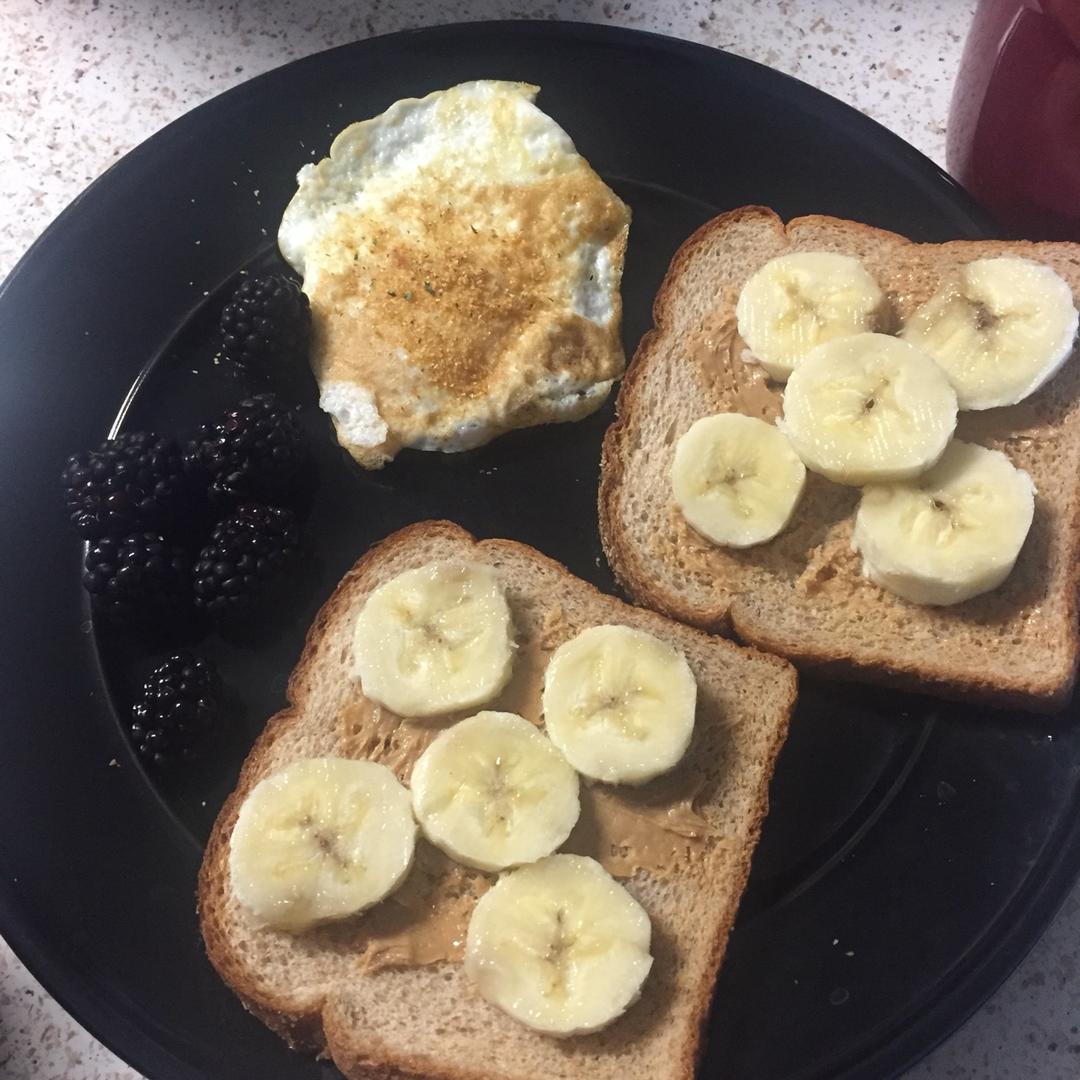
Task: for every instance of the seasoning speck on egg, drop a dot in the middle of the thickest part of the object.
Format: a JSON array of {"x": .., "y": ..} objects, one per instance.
[{"x": 463, "y": 264}]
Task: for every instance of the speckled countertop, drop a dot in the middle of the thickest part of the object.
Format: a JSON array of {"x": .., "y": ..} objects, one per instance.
[{"x": 83, "y": 81}]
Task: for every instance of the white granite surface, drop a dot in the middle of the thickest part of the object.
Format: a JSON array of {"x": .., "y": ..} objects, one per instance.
[{"x": 83, "y": 81}]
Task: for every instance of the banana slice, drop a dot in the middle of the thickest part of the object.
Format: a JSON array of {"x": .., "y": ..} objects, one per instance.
[
  {"x": 1000, "y": 330},
  {"x": 953, "y": 533},
  {"x": 560, "y": 946},
  {"x": 320, "y": 839},
  {"x": 797, "y": 301},
  {"x": 867, "y": 409},
  {"x": 493, "y": 792},
  {"x": 619, "y": 703},
  {"x": 434, "y": 640},
  {"x": 736, "y": 479}
]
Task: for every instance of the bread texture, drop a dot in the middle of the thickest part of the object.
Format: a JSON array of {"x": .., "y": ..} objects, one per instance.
[
  {"x": 427, "y": 1021},
  {"x": 803, "y": 595}
]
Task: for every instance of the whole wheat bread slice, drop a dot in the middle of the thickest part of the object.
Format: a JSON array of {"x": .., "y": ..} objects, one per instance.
[
  {"x": 802, "y": 595},
  {"x": 428, "y": 1022}
]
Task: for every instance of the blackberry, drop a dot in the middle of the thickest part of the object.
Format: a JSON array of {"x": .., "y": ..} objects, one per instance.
[
  {"x": 245, "y": 551},
  {"x": 176, "y": 710},
  {"x": 132, "y": 482},
  {"x": 267, "y": 321},
  {"x": 137, "y": 578},
  {"x": 256, "y": 450}
]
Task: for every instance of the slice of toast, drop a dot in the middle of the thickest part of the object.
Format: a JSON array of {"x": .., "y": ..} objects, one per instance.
[
  {"x": 316, "y": 990},
  {"x": 803, "y": 595}
]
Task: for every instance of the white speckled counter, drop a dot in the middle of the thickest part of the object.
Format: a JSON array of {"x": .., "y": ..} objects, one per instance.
[{"x": 86, "y": 80}]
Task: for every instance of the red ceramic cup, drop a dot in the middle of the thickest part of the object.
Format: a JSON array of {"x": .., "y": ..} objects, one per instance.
[{"x": 1014, "y": 128}]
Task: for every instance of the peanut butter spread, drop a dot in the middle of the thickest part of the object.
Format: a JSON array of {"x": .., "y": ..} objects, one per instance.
[
  {"x": 373, "y": 732},
  {"x": 425, "y": 921},
  {"x": 725, "y": 366},
  {"x": 833, "y": 558},
  {"x": 653, "y": 828}
]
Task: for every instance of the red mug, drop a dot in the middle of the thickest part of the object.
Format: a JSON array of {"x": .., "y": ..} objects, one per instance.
[{"x": 1014, "y": 128}]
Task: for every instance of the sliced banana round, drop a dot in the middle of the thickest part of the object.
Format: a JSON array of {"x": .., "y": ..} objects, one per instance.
[
  {"x": 435, "y": 639},
  {"x": 953, "y": 533},
  {"x": 320, "y": 839},
  {"x": 736, "y": 479},
  {"x": 795, "y": 302},
  {"x": 492, "y": 792},
  {"x": 619, "y": 703},
  {"x": 1000, "y": 329},
  {"x": 868, "y": 408},
  {"x": 560, "y": 946}
]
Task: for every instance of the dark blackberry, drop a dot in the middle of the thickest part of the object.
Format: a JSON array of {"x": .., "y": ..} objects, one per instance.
[
  {"x": 256, "y": 450},
  {"x": 137, "y": 578},
  {"x": 132, "y": 482},
  {"x": 245, "y": 551},
  {"x": 267, "y": 321},
  {"x": 176, "y": 710}
]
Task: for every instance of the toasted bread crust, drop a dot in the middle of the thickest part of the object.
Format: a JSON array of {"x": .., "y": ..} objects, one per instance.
[
  {"x": 729, "y": 606},
  {"x": 1003, "y": 690},
  {"x": 318, "y": 1027}
]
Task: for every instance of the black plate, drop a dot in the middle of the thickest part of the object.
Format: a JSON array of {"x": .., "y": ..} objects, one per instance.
[{"x": 914, "y": 850}]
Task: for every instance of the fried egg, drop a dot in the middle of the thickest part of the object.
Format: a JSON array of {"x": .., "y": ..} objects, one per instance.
[{"x": 463, "y": 264}]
